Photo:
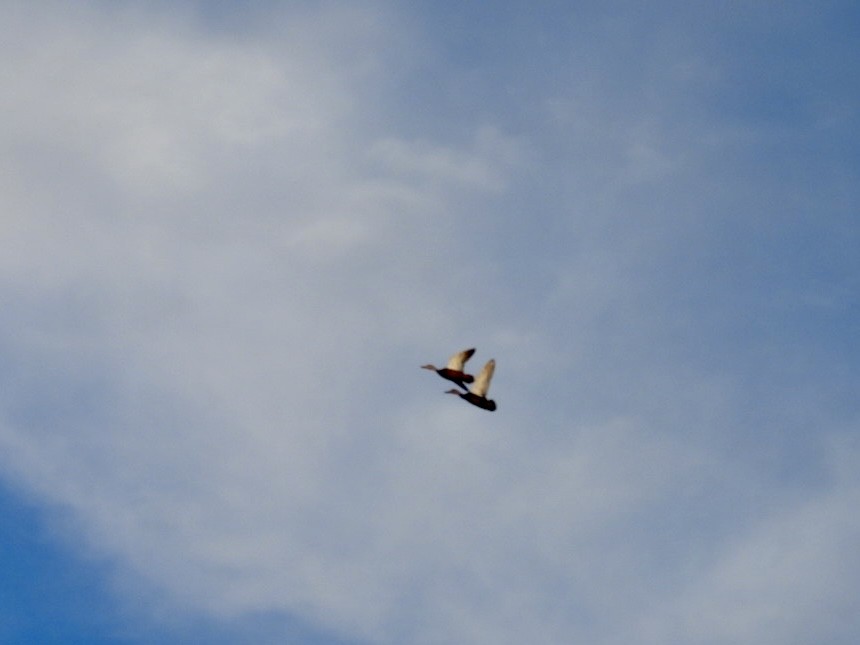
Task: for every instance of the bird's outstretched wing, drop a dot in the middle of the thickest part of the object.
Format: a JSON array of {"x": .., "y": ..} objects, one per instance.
[
  {"x": 458, "y": 360},
  {"x": 482, "y": 381}
]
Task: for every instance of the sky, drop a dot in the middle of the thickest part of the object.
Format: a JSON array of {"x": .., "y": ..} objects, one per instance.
[{"x": 232, "y": 232}]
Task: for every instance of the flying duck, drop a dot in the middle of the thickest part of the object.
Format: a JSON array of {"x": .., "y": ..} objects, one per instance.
[
  {"x": 477, "y": 395},
  {"x": 453, "y": 371}
]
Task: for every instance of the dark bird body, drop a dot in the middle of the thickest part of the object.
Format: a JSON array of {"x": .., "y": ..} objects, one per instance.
[
  {"x": 460, "y": 378},
  {"x": 474, "y": 399}
]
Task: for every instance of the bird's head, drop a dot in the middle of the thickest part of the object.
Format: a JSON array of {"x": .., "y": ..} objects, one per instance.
[{"x": 428, "y": 367}]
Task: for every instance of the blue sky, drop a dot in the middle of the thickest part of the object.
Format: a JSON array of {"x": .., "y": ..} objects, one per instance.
[{"x": 233, "y": 232}]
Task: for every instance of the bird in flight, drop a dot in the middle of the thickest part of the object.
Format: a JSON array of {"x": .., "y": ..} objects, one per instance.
[
  {"x": 453, "y": 371},
  {"x": 477, "y": 394}
]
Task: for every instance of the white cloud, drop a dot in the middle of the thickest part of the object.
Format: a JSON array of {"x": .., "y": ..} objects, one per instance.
[
  {"x": 478, "y": 168},
  {"x": 224, "y": 347},
  {"x": 789, "y": 579},
  {"x": 221, "y": 281}
]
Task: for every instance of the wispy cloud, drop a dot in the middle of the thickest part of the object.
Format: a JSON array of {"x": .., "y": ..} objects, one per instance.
[{"x": 222, "y": 265}]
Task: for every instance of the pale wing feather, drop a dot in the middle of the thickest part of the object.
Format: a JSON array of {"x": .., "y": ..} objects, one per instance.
[
  {"x": 458, "y": 360},
  {"x": 482, "y": 381}
]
